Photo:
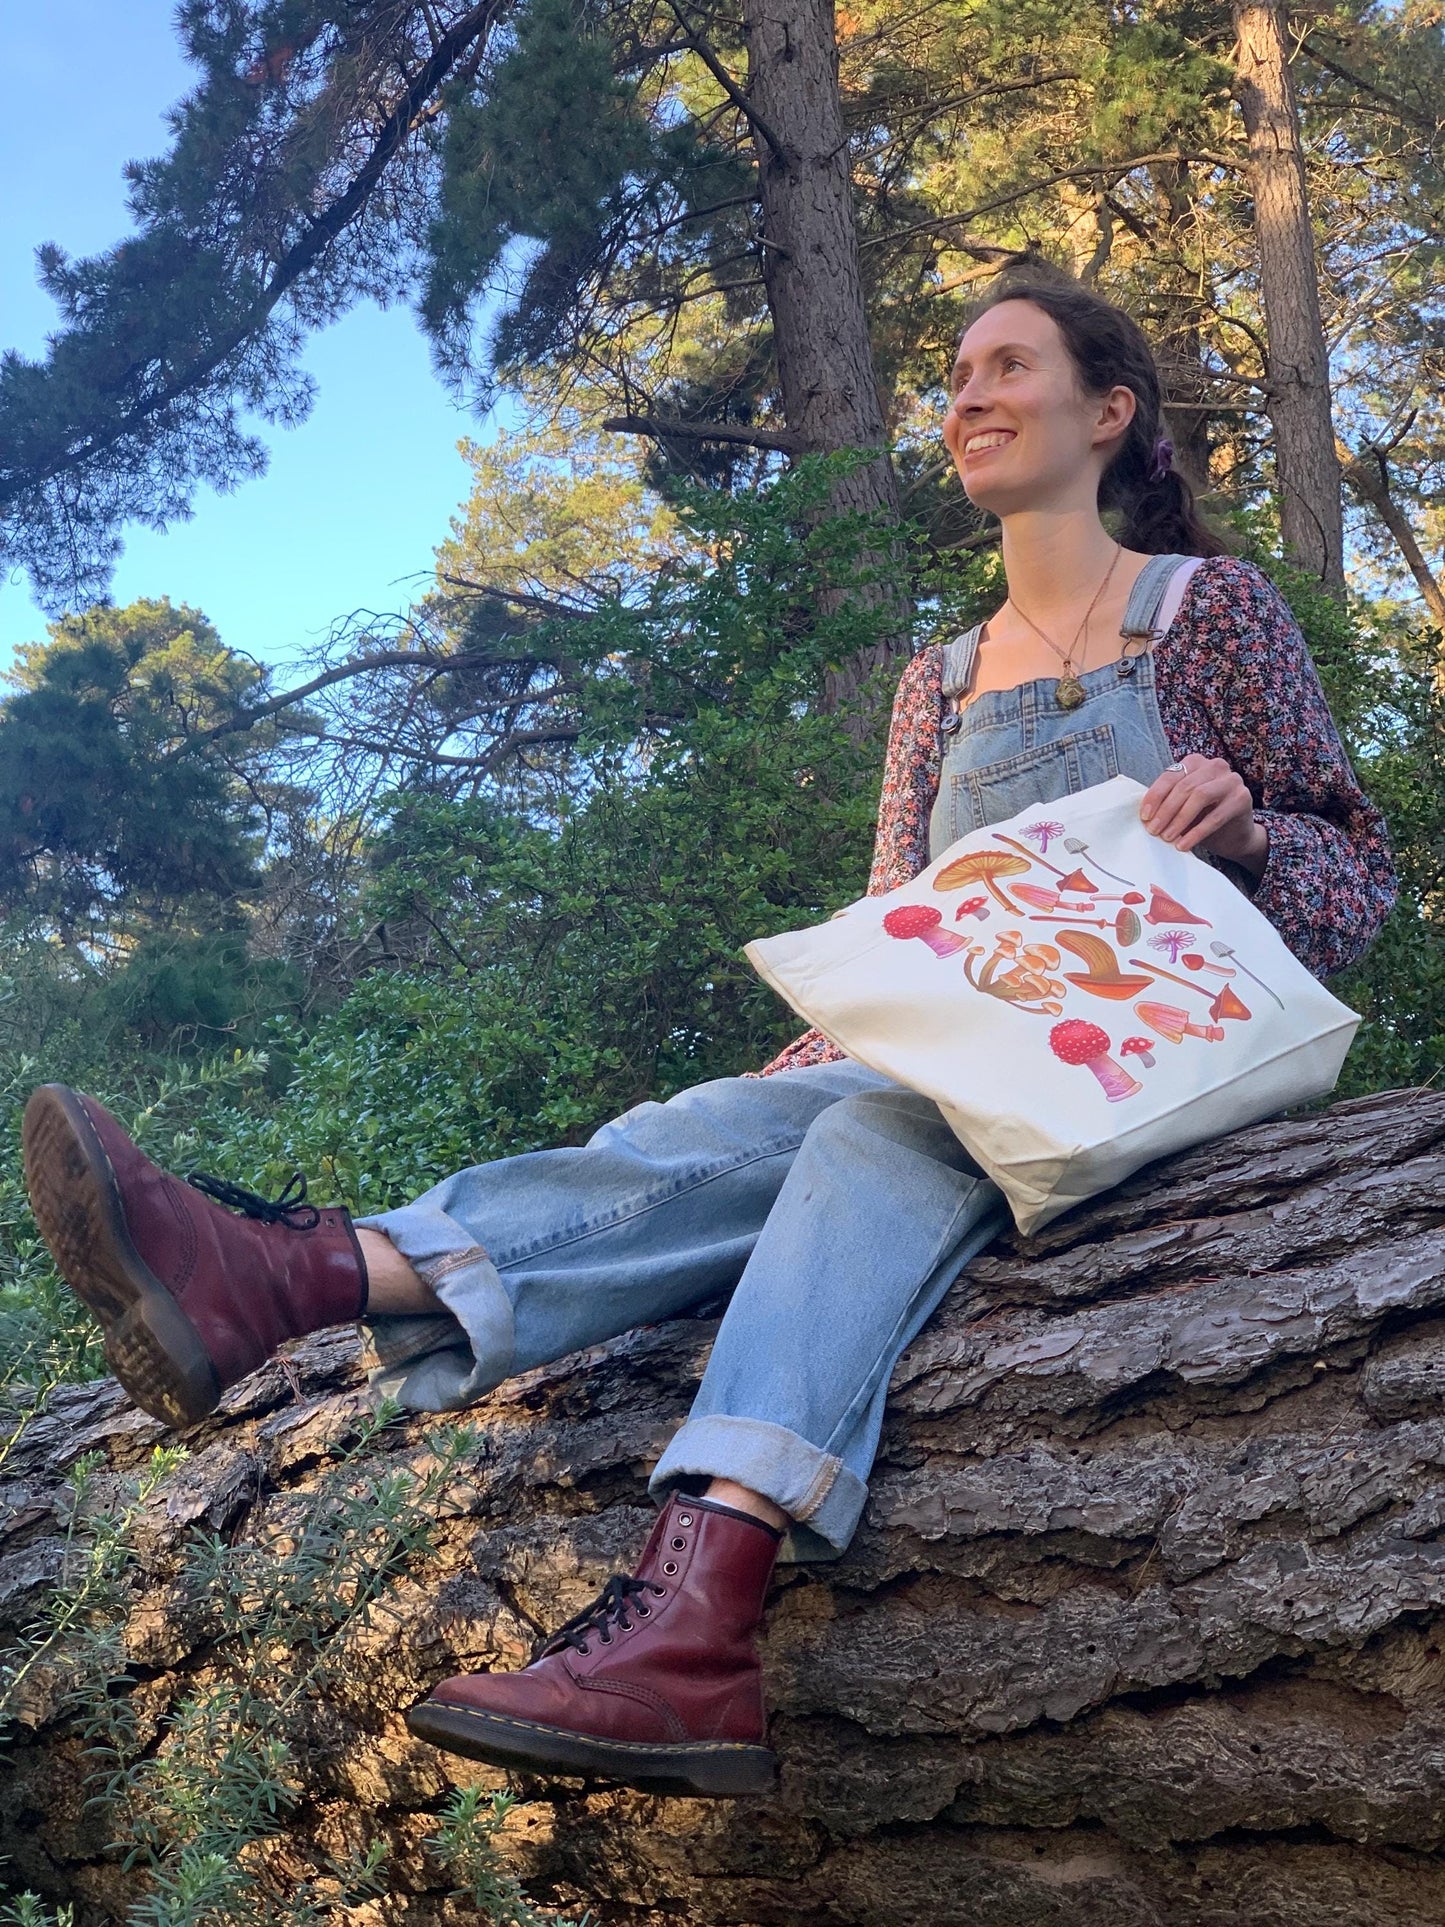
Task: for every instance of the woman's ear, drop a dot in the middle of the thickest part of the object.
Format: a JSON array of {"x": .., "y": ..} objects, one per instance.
[{"x": 1116, "y": 411}]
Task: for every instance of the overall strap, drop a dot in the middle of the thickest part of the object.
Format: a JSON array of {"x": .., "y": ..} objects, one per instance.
[
  {"x": 958, "y": 658},
  {"x": 1151, "y": 591}
]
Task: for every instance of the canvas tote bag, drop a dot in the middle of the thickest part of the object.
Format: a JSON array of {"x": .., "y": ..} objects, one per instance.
[{"x": 1076, "y": 995}]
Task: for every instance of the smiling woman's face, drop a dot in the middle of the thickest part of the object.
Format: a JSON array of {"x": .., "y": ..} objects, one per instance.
[{"x": 1019, "y": 427}]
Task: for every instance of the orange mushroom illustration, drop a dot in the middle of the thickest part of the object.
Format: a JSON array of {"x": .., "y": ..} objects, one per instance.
[
  {"x": 1174, "y": 1025},
  {"x": 1017, "y": 973},
  {"x": 983, "y": 866},
  {"x": 1166, "y": 909},
  {"x": 1072, "y": 880},
  {"x": 1227, "y": 1004},
  {"x": 1076, "y": 1041},
  {"x": 1101, "y": 975},
  {"x": 921, "y": 920}
]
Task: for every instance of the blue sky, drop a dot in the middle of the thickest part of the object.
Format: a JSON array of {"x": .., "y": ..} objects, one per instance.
[{"x": 355, "y": 499}]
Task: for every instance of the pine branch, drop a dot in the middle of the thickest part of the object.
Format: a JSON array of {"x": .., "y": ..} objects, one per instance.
[
  {"x": 303, "y": 255},
  {"x": 663, "y": 428}
]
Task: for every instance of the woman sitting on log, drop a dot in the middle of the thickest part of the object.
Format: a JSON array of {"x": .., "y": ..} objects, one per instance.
[{"x": 838, "y": 1207}]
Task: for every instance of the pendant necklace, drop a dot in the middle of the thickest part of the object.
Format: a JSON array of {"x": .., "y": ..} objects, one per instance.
[{"x": 1068, "y": 690}]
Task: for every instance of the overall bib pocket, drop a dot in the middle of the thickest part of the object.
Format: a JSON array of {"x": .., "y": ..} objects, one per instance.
[{"x": 1000, "y": 789}]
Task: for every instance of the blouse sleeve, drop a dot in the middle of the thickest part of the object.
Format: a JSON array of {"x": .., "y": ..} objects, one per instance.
[
  {"x": 900, "y": 846},
  {"x": 1329, "y": 881}
]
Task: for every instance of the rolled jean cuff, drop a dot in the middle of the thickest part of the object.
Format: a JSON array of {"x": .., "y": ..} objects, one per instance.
[
  {"x": 820, "y": 1495},
  {"x": 468, "y": 1353}
]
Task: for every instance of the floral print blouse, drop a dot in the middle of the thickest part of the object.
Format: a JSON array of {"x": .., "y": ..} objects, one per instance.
[{"x": 1235, "y": 680}]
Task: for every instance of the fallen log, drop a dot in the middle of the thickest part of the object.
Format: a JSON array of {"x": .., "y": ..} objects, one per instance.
[{"x": 1145, "y": 1623}]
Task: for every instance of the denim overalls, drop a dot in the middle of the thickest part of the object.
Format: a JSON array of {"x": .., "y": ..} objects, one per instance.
[{"x": 837, "y": 1206}]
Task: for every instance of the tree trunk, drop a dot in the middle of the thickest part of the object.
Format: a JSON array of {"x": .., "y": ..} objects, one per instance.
[
  {"x": 811, "y": 267},
  {"x": 1311, "y": 518},
  {"x": 1368, "y": 475},
  {"x": 1143, "y": 1628}
]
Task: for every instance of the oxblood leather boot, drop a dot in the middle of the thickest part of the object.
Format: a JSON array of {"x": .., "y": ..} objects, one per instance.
[
  {"x": 656, "y": 1685},
  {"x": 190, "y": 1297}
]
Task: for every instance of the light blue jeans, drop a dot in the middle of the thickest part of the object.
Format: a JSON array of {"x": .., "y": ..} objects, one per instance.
[{"x": 837, "y": 1206}]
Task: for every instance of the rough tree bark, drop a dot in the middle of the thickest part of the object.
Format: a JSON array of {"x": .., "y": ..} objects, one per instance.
[
  {"x": 811, "y": 266},
  {"x": 1368, "y": 476},
  {"x": 1311, "y": 515},
  {"x": 1145, "y": 1626}
]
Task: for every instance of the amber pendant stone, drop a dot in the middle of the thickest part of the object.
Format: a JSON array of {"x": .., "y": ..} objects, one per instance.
[{"x": 1068, "y": 692}]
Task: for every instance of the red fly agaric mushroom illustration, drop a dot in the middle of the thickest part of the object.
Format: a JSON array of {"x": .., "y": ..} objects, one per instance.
[
  {"x": 982, "y": 866},
  {"x": 1041, "y": 832},
  {"x": 1166, "y": 909},
  {"x": 1140, "y": 1047},
  {"x": 1072, "y": 880},
  {"x": 921, "y": 920},
  {"x": 1174, "y": 1025},
  {"x": 972, "y": 907},
  {"x": 1101, "y": 975},
  {"x": 1076, "y": 1041}
]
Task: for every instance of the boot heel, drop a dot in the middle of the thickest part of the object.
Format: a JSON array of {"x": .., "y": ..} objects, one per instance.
[{"x": 729, "y": 1774}]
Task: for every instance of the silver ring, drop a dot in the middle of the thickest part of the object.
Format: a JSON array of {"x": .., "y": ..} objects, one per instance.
[{"x": 1175, "y": 769}]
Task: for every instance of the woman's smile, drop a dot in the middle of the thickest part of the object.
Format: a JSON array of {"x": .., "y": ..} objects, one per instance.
[{"x": 981, "y": 440}]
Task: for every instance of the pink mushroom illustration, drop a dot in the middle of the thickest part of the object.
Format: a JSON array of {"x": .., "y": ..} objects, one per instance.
[
  {"x": 1076, "y": 1041},
  {"x": 1166, "y": 909},
  {"x": 1044, "y": 896},
  {"x": 972, "y": 907},
  {"x": 1173, "y": 1024},
  {"x": 921, "y": 920},
  {"x": 1140, "y": 1047},
  {"x": 1173, "y": 941},
  {"x": 1041, "y": 832}
]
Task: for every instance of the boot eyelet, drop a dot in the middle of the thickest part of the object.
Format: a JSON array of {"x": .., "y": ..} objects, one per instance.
[
  {"x": 661, "y": 1591},
  {"x": 669, "y": 1566},
  {"x": 679, "y": 1545},
  {"x": 606, "y": 1638},
  {"x": 684, "y": 1518},
  {"x": 644, "y": 1612},
  {"x": 584, "y": 1650}
]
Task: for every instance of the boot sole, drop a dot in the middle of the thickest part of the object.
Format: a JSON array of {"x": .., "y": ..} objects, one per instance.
[
  {"x": 714, "y": 1770},
  {"x": 150, "y": 1344}
]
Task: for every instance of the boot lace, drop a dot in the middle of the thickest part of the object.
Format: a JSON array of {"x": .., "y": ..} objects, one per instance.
[
  {"x": 610, "y": 1608},
  {"x": 290, "y": 1208}
]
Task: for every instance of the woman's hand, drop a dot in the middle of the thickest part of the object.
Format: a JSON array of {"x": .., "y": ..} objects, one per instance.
[{"x": 1206, "y": 803}]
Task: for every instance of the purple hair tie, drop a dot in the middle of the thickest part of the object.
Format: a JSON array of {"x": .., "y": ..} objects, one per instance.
[{"x": 1163, "y": 459}]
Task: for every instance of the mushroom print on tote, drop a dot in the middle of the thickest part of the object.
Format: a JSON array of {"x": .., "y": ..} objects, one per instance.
[{"x": 1097, "y": 951}]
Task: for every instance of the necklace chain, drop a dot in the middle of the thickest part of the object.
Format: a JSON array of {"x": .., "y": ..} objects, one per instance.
[{"x": 1069, "y": 690}]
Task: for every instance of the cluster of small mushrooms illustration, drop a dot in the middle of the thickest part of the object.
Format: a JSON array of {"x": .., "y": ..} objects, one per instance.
[{"x": 1028, "y": 973}]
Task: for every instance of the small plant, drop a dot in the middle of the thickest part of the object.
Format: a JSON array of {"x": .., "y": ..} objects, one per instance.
[
  {"x": 465, "y": 1843},
  {"x": 237, "y": 1754}
]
